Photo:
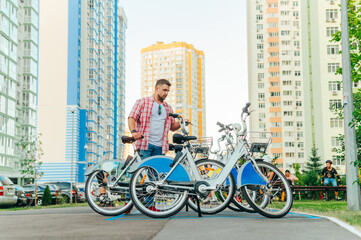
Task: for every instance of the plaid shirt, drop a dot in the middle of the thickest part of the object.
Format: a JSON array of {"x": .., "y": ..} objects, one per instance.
[{"x": 141, "y": 112}]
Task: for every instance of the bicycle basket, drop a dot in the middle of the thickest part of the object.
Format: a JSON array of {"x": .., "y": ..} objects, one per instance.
[
  {"x": 259, "y": 141},
  {"x": 202, "y": 145}
]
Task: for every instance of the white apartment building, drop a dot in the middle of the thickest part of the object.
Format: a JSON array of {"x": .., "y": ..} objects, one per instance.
[
  {"x": 292, "y": 81},
  {"x": 19, "y": 28}
]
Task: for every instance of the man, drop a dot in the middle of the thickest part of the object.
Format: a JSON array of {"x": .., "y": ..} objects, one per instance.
[
  {"x": 290, "y": 177},
  {"x": 329, "y": 175},
  {"x": 150, "y": 118}
]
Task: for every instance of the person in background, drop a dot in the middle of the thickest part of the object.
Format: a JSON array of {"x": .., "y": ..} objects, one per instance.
[
  {"x": 291, "y": 178},
  {"x": 329, "y": 175}
]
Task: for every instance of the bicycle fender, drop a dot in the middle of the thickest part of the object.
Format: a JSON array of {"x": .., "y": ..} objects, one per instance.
[
  {"x": 247, "y": 175},
  {"x": 99, "y": 166},
  {"x": 161, "y": 165}
]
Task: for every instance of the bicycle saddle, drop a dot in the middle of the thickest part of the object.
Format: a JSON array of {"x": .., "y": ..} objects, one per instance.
[
  {"x": 126, "y": 139},
  {"x": 180, "y": 139}
]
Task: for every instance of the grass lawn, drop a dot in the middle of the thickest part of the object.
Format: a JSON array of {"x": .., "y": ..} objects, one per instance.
[
  {"x": 42, "y": 207},
  {"x": 331, "y": 209}
]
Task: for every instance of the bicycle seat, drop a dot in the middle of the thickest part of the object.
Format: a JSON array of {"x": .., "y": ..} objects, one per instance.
[{"x": 180, "y": 139}]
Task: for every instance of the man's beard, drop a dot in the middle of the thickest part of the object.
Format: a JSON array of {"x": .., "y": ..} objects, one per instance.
[{"x": 161, "y": 98}]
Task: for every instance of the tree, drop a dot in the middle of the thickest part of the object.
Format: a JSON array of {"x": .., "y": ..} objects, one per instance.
[
  {"x": 46, "y": 196},
  {"x": 31, "y": 153},
  {"x": 354, "y": 24},
  {"x": 313, "y": 169}
]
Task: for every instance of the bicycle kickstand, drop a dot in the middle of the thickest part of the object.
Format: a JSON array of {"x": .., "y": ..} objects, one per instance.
[{"x": 198, "y": 207}]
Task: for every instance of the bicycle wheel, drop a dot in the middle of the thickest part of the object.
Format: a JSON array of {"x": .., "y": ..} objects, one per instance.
[
  {"x": 239, "y": 203},
  {"x": 102, "y": 199},
  {"x": 215, "y": 201},
  {"x": 154, "y": 200},
  {"x": 274, "y": 200}
]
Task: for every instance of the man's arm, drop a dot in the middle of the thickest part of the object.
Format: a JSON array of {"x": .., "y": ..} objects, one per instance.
[
  {"x": 131, "y": 125},
  {"x": 338, "y": 178},
  {"x": 323, "y": 176}
]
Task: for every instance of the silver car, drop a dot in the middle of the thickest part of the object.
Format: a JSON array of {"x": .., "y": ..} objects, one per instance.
[{"x": 7, "y": 192}]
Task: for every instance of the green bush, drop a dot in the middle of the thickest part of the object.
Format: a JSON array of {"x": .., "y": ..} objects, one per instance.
[{"x": 47, "y": 196}]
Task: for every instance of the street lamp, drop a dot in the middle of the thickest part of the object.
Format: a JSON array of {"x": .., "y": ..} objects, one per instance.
[{"x": 72, "y": 109}]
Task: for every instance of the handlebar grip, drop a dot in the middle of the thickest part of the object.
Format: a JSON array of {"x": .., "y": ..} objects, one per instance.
[
  {"x": 245, "y": 109},
  {"x": 174, "y": 115},
  {"x": 220, "y": 124}
]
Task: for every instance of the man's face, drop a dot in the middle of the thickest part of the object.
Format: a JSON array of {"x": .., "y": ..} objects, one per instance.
[
  {"x": 162, "y": 91},
  {"x": 328, "y": 165},
  {"x": 287, "y": 174}
]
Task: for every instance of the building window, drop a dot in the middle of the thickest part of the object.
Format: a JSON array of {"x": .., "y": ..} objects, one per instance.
[
  {"x": 299, "y": 134},
  {"x": 297, "y": 73},
  {"x": 288, "y": 124},
  {"x": 259, "y": 26},
  {"x": 335, "y": 103},
  {"x": 262, "y": 125},
  {"x": 287, "y": 103},
  {"x": 260, "y": 56},
  {"x": 259, "y": 17},
  {"x": 275, "y": 94},
  {"x": 301, "y": 155},
  {"x": 260, "y": 65},
  {"x": 332, "y": 49},
  {"x": 297, "y": 53},
  {"x": 261, "y": 85},
  {"x": 289, "y": 155},
  {"x": 287, "y": 93},
  {"x": 332, "y": 67},
  {"x": 336, "y": 142},
  {"x": 336, "y": 160},
  {"x": 331, "y": 14},
  {"x": 331, "y": 30},
  {"x": 259, "y": 36},
  {"x": 275, "y": 104},
  {"x": 298, "y": 94},
  {"x": 299, "y": 124},
  {"x": 260, "y": 75},
  {"x": 336, "y": 123},
  {"x": 299, "y": 113},
  {"x": 289, "y": 144},
  {"x": 287, "y": 83},
  {"x": 261, "y": 105},
  {"x": 299, "y": 103},
  {"x": 334, "y": 86},
  {"x": 259, "y": 46},
  {"x": 261, "y": 95},
  {"x": 288, "y": 113},
  {"x": 297, "y": 63}
]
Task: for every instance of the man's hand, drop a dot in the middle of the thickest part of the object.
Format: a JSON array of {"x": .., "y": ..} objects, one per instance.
[{"x": 136, "y": 135}]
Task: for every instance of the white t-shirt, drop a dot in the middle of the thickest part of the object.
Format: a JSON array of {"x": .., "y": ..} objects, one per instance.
[{"x": 157, "y": 122}]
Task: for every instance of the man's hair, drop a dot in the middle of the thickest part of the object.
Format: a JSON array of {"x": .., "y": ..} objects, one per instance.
[
  {"x": 329, "y": 161},
  {"x": 161, "y": 82},
  {"x": 287, "y": 171}
]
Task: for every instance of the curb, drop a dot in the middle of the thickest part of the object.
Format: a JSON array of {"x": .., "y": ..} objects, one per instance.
[{"x": 338, "y": 222}]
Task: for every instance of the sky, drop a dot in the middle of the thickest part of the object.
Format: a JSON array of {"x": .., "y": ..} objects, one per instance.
[{"x": 219, "y": 28}]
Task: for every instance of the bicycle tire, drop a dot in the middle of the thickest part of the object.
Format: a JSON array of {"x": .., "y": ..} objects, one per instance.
[
  {"x": 225, "y": 202},
  {"x": 264, "y": 200},
  {"x": 95, "y": 207}
]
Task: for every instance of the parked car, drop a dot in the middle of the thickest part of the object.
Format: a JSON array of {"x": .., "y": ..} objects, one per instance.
[
  {"x": 7, "y": 192},
  {"x": 81, "y": 189},
  {"x": 20, "y": 193},
  {"x": 54, "y": 190},
  {"x": 65, "y": 189}
]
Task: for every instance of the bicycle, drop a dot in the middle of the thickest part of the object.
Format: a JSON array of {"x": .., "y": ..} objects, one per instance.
[{"x": 260, "y": 177}]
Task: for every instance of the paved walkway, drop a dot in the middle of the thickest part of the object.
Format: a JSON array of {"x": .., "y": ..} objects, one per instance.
[{"x": 83, "y": 223}]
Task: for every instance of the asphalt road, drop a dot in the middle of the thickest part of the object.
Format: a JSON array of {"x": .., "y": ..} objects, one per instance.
[{"x": 83, "y": 223}]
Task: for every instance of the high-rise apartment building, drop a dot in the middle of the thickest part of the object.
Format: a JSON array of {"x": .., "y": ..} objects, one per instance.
[
  {"x": 19, "y": 28},
  {"x": 292, "y": 81},
  {"x": 82, "y": 84},
  {"x": 183, "y": 66}
]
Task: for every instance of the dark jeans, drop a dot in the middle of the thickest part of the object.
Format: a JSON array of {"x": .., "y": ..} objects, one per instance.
[{"x": 152, "y": 151}]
